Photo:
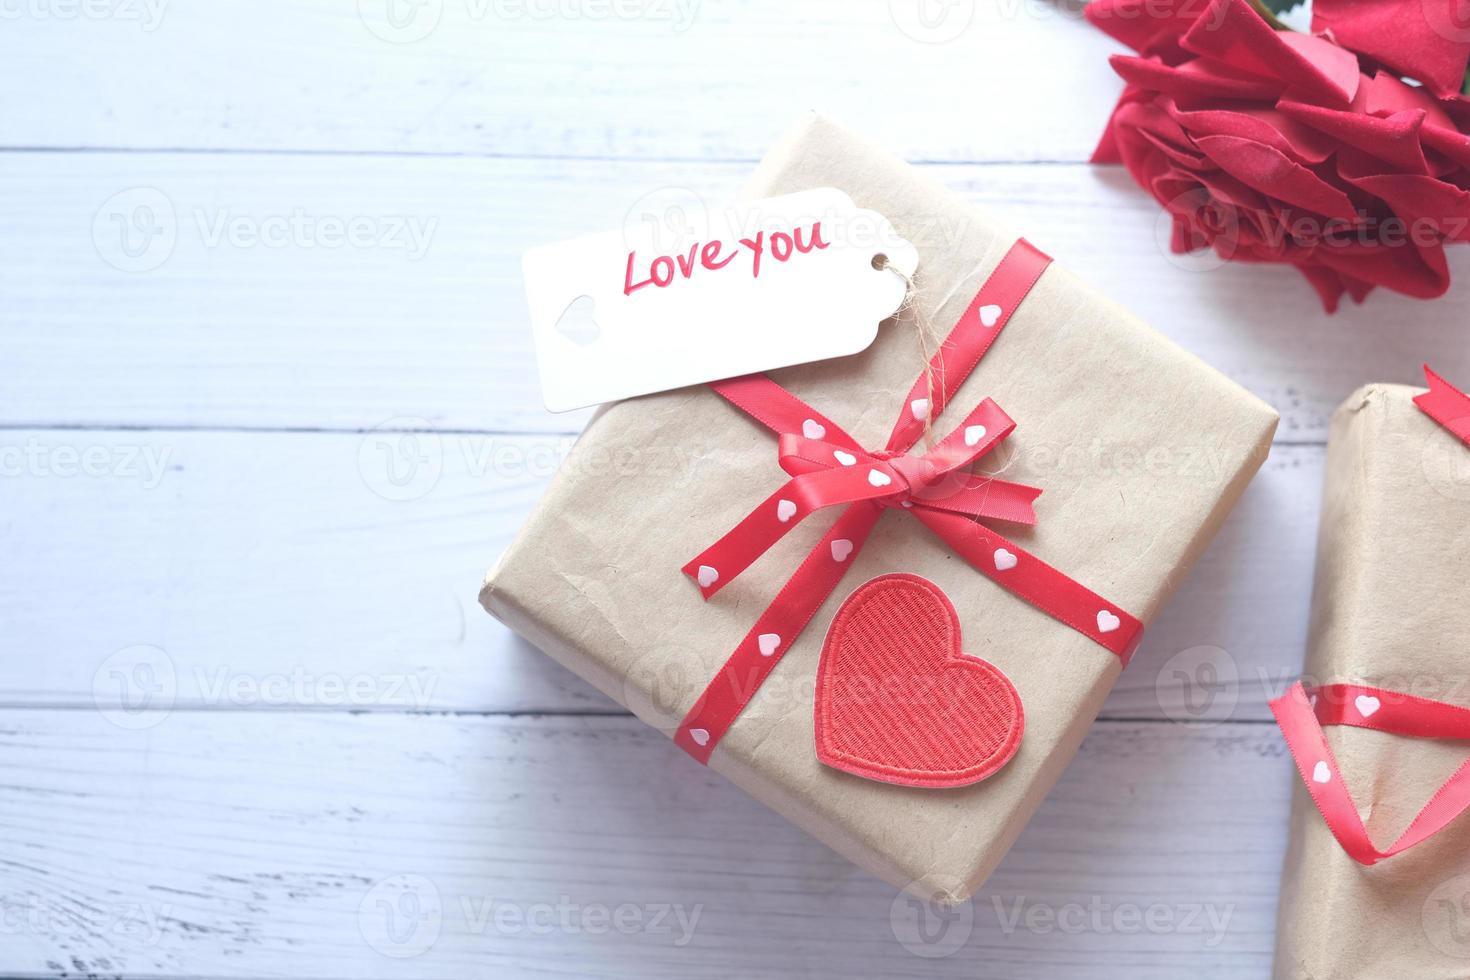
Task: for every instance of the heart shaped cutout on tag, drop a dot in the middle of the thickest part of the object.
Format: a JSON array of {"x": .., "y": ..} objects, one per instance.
[
  {"x": 899, "y": 702},
  {"x": 578, "y": 322}
]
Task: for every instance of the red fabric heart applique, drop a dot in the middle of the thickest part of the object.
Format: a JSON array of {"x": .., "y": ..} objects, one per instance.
[{"x": 898, "y": 701}]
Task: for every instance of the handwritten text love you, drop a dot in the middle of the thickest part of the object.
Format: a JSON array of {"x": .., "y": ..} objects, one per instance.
[{"x": 716, "y": 255}]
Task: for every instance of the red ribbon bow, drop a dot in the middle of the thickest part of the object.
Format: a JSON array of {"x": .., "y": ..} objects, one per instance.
[{"x": 829, "y": 468}]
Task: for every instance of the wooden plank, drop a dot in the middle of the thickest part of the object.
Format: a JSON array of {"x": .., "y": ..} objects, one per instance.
[
  {"x": 699, "y": 79},
  {"x": 423, "y": 323},
  {"x": 334, "y": 845},
  {"x": 229, "y": 570}
]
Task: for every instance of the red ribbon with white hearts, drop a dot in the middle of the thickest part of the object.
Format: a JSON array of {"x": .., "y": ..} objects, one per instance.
[
  {"x": 1446, "y": 404},
  {"x": 1301, "y": 713},
  {"x": 829, "y": 468}
]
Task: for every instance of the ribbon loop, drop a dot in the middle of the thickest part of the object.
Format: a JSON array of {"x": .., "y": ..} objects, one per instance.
[
  {"x": 1301, "y": 714},
  {"x": 825, "y": 474}
]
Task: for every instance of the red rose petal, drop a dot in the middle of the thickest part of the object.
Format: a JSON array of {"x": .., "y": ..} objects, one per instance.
[
  {"x": 1422, "y": 203},
  {"x": 1428, "y": 40},
  {"x": 1394, "y": 139},
  {"x": 1381, "y": 94},
  {"x": 1270, "y": 172},
  {"x": 1188, "y": 81},
  {"x": 1231, "y": 32},
  {"x": 1414, "y": 271},
  {"x": 1451, "y": 143},
  {"x": 1327, "y": 283},
  {"x": 1263, "y": 125}
]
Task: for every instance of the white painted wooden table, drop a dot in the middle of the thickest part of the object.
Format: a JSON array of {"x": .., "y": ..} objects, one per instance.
[{"x": 269, "y": 411}]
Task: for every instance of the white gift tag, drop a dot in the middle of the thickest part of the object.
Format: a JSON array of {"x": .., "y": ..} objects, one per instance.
[{"x": 781, "y": 281}]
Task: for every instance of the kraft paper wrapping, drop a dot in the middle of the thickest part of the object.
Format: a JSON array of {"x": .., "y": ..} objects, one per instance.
[
  {"x": 1141, "y": 450},
  {"x": 1389, "y": 609}
]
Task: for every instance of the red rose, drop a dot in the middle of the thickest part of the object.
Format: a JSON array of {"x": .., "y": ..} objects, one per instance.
[{"x": 1276, "y": 146}]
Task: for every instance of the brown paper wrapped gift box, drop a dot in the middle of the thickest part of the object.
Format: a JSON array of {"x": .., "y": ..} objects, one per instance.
[
  {"x": 1390, "y": 609},
  {"x": 1140, "y": 448}
]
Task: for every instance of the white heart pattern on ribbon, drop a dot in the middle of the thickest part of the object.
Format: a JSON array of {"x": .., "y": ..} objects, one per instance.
[
  {"x": 841, "y": 548},
  {"x": 1322, "y": 774},
  {"x": 707, "y": 576},
  {"x": 1367, "y": 705},
  {"x": 700, "y": 735},
  {"x": 785, "y": 510},
  {"x": 1107, "y": 622},
  {"x": 973, "y": 434},
  {"x": 878, "y": 478},
  {"x": 843, "y": 457},
  {"x": 768, "y": 642},
  {"x": 1004, "y": 560},
  {"x": 920, "y": 408},
  {"x": 989, "y": 313},
  {"x": 813, "y": 429}
]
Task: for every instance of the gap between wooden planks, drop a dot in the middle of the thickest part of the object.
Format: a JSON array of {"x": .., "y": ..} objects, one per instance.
[
  {"x": 223, "y": 290},
  {"x": 238, "y": 845},
  {"x": 264, "y": 571}
]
